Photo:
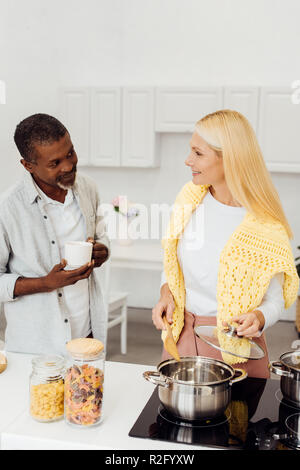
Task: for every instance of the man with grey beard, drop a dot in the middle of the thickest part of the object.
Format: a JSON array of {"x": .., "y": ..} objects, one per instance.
[{"x": 45, "y": 305}]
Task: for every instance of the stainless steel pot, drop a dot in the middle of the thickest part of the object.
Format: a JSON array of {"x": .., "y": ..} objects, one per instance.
[
  {"x": 288, "y": 368},
  {"x": 196, "y": 388}
]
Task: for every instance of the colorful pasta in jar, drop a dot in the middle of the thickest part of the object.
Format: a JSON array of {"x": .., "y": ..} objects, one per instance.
[{"x": 84, "y": 382}]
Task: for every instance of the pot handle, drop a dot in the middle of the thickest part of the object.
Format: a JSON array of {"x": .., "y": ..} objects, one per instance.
[
  {"x": 155, "y": 378},
  {"x": 243, "y": 375},
  {"x": 277, "y": 368}
]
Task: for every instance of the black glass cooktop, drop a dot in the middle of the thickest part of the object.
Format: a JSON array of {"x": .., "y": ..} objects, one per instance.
[{"x": 256, "y": 418}]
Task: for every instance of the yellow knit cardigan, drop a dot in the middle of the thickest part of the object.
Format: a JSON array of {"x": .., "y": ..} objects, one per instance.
[{"x": 254, "y": 253}]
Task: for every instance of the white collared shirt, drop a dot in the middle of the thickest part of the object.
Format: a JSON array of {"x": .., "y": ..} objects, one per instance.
[{"x": 69, "y": 225}]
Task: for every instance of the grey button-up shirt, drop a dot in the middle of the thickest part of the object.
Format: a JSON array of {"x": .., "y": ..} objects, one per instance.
[{"x": 39, "y": 323}]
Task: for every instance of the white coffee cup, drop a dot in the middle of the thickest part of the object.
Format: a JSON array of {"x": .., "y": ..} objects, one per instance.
[{"x": 78, "y": 253}]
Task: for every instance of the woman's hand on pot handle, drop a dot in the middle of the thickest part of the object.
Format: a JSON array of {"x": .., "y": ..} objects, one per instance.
[
  {"x": 165, "y": 306},
  {"x": 250, "y": 324}
]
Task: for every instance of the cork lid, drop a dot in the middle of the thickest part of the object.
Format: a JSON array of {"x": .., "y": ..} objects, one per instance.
[
  {"x": 85, "y": 347},
  {"x": 3, "y": 362}
]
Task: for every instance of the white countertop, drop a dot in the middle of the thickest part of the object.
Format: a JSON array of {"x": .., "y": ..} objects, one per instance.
[{"x": 126, "y": 393}]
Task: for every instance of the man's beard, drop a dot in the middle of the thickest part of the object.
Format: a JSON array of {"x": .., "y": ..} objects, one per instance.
[{"x": 68, "y": 185}]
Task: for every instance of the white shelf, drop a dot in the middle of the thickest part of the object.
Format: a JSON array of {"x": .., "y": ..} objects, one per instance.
[{"x": 141, "y": 254}]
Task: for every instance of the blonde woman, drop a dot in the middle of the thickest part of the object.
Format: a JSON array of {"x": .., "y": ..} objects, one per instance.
[{"x": 227, "y": 255}]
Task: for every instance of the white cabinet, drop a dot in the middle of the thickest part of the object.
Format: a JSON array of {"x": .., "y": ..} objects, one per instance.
[
  {"x": 244, "y": 100},
  {"x": 178, "y": 109},
  {"x": 120, "y": 127},
  {"x": 75, "y": 115},
  {"x": 105, "y": 126},
  {"x": 279, "y": 125},
  {"x": 92, "y": 116},
  {"x": 111, "y": 130},
  {"x": 138, "y": 137}
]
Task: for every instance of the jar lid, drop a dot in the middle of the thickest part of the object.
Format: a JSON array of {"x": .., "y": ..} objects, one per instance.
[
  {"x": 3, "y": 362},
  {"x": 48, "y": 361},
  {"x": 85, "y": 347},
  {"x": 48, "y": 365}
]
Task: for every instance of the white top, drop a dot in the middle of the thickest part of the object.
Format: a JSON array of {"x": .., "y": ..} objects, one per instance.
[
  {"x": 69, "y": 225},
  {"x": 199, "y": 250}
]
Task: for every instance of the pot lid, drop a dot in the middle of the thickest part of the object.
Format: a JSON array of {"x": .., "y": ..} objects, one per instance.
[
  {"x": 227, "y": 341},
  {"x": 291, "y": 359}
]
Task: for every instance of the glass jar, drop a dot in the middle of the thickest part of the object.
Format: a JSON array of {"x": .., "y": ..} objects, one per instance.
[
  {"x": 47, "y": 388},
  {"x": 84, "y": 382}
]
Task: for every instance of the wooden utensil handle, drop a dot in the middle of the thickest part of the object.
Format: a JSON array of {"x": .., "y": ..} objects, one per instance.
[{"x": 167, "y": 324}]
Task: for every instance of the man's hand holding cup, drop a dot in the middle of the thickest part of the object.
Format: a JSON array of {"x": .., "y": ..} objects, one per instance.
[{"x": 99, "y": 253}]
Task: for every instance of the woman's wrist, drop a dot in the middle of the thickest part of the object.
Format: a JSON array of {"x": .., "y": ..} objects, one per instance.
[
  {"x": 261, "y": 319},
  {"x": 165, "y": 292}
]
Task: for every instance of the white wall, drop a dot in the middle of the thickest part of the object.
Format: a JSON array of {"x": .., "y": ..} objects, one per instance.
[{"x": 45, "y": 45}]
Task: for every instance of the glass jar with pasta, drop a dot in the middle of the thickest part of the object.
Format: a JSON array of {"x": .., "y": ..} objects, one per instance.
[
  {"x": 84, "y": 382},
  {"x": 47, "y": 388}
]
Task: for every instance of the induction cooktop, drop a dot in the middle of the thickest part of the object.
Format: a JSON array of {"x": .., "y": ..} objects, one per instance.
[{"x": 258, "y": 418}]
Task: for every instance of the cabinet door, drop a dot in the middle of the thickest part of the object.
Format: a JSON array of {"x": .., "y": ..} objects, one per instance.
[
  {"x": 279, "y": 129},
  {"x": 244, "y": 100},
  {"x": 105, "y": 126},
  {"x": 138, "y": 136},
  {"x": 75, "y": 115},
  {"x": 178, "y": 109}
]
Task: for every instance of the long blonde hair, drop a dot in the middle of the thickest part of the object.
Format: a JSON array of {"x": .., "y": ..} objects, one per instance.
[{"x": 231, "y": 135}]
